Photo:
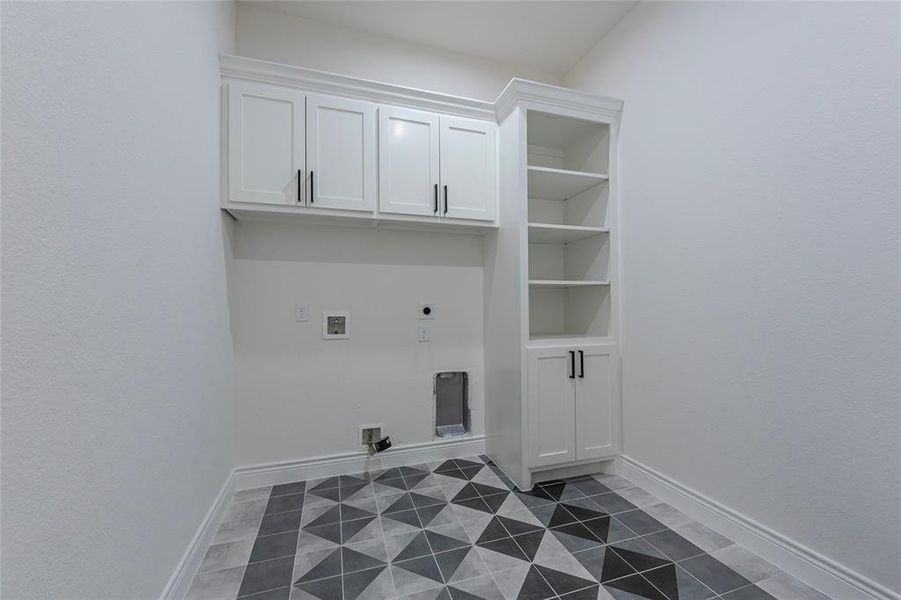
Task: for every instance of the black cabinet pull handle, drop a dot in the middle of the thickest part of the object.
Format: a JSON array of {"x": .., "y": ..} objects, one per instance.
[
  {"x": 312, "y": 193},
  {"x": 445, "y": 199},
  {"x": 581, "y": 364},
  {"x": 436, "y": 198},
  {"x": 572, "y": 364},
  {"x": 299, "y": 186}
]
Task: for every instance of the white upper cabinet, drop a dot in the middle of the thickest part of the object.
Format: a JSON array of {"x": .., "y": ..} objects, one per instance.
[
  {"x": 468, "y": 162},
  {"x": 265, "y": 143},
  {"x": 408, "y": 161},
  {"x": 341, "y": 162}
]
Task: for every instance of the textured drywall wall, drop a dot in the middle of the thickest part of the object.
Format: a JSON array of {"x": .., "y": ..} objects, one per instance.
[
  {"x": 276, "y": 36},
  {"x": 300, "y": 396},
  {"x": 760, "y": 202},
  {"x": 117, "y": 417}
]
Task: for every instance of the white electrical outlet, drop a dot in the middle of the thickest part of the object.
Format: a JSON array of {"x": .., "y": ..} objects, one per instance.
[
  {"x": 424, "y": 332},
  {"x": 301, "y": 313},
  {"x": 427, "y": 311}
]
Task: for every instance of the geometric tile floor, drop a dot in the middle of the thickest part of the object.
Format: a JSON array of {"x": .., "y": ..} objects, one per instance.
[{"x": 460, "y": 530}]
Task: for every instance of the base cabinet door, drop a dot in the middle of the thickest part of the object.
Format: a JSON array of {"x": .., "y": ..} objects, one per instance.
[
  {"x": 551, "y": 407},
  {"x": 265, "y": 144},
  {"x": 597, "y": 414},
  {"x": 341, "y": 149},
  {"x": 468, "y": 160},
  {"x": 408, "y": 161}
]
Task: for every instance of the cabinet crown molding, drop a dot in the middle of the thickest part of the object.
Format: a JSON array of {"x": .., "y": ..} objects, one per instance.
[
  {"x": 311, "y": 80},
  {"x": 530, "y": 94},
  {"x": 560, "y": 100}
]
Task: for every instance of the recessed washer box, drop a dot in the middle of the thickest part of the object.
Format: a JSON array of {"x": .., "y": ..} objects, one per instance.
[{"x": 451, "y": 403}]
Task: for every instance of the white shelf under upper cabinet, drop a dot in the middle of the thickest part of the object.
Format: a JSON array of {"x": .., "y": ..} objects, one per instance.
[
  {"x": 550, "y": 233},
  {"x": 564, "y": 283},
  {"x": 546, "y": 183}
]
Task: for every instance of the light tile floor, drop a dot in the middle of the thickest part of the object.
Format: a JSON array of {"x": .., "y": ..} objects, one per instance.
[{"x": 460, "y": 530}]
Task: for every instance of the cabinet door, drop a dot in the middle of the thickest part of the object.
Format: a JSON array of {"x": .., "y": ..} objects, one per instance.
[
  {"x": 597, "y": 409},
  {"x": 468, "y": 159},
  {"x": 265, "y": 143},
  {"x": 340, "y": 153},
  {"x": 551, "y": 406},
  {"x": 408, "y": 161}
]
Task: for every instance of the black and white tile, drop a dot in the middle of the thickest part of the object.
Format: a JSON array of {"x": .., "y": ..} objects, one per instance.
[{"x": 460, "y": 530}]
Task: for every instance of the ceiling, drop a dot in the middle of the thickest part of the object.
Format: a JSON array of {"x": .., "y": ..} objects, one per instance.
[{"x": 547, "y": 35}]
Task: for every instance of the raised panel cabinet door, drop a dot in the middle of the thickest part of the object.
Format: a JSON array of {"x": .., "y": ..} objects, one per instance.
[
  {"x": 597, "y": 411},
  {"x": 341, "y": 147},
  {"x": 265, "y": 143},
  {"x": 468, "y": 167},
  {"x": 408, "y": 161},
  {"x": 551, "y": 407}
]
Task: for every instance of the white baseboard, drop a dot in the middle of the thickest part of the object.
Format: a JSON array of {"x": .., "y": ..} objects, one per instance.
[
  {"x": 297, "y": 470},
  {"x": 356, "y": 462},
  {"x": 189, "y": 564},
  {"x": 811, "y": 567}
]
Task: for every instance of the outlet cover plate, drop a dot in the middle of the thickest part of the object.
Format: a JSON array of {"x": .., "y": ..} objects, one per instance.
[
  {"x": 427, "y": 311},
  {"x": 302, "y": 313}
]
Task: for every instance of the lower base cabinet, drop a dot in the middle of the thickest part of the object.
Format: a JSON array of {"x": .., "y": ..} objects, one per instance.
[{"x": 573, "y": 411}]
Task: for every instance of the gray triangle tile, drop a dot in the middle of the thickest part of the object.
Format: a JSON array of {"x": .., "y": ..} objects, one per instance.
[
  {"x": 476, "y": 588},
  {"x": 361, "y": 530},
  {"x": 351, "y": 513},
  {"x": 562, "y": 582},
  {"x": 352, "y": 560},
  {"x": 368, "y": 584},
  {"x": 441, "y": 543},
  {"x": 510, "y": 581},
  {"x": 450, "y": 560},
  {"x": 321, "y": 589},
  {"x": 417, "y": 546},
  {"x": 408, "y": 582},
  {"x": 331, "y": 532},
  {"x": 327, "y": 517},
  {"x": 328, "y": 565},
  {"x": 637, "y": 586},
  {"x": 424, "y": 568},
  {"x": 307, "y": 542}
]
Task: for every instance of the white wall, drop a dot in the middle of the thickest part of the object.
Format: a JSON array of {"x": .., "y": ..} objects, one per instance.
[
  {"x": 761, "y": 261},
  {"x": 301, "y": 396},
  {"x": 117, "y": 357},
  {"x": 279, "y": 37}
]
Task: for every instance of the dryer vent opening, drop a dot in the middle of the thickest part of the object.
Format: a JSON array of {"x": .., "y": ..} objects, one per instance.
[{"x": 451, "y": 403}]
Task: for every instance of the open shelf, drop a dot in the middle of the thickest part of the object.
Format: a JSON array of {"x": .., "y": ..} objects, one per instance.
[
  {"x": 566, "y": 311},
  {"x": 552, "y": 340},
  {"x": 564, "y": 283},
  {"x": 551, "y": 233},
  {"x": 546, "y": 183},
  {"x": 568, "y": 233}
]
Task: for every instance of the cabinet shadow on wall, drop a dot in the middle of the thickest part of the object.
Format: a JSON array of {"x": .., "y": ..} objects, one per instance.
[{"x": 355, "y": 245}]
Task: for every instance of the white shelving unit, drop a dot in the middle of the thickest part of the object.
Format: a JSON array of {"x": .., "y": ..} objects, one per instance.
[
  {"x": 551, "y": 337},
  {"x": 568, "y": 235}
]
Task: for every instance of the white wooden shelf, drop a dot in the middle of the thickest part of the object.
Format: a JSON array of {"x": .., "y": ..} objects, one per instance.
[
  {"x": 548, "y": 233},
  {"x": 559, "y": 184},
  {"x": 552, "y": 340},
  {"x": 563, "y": 283}
]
